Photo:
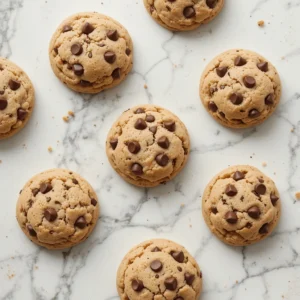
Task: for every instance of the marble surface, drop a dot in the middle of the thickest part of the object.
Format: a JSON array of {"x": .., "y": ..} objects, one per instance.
[{"x": 170, "y": 65}]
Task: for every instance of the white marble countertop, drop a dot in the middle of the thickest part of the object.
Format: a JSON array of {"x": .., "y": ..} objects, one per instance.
[{"x": 170, "y": 65}]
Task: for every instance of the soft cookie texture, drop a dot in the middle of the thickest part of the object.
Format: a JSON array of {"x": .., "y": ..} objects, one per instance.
[
  {"x": 159, "y": 270},
  {"x": 90, "y": 52},
  {"x": 16, "y": 98},
  {"x": 57, "y": 209},
  {"x": 241, "y": 205},
  {"x": 240, "y": 88},
  {"x": 183, "y": 15},
  {"x": 148, "y": 145}
]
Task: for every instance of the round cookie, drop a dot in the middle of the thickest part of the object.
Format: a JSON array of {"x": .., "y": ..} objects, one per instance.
[
  {"x": 161, "y": 270},
  {"x": 148, "y": 145},
  {"x": 240, "y": 88},
  {"x": 16, "y": 98},
  {"x": 241, "y": 205},
  {"x": 183, "y": 15},
  {"x": 57, "y": 209},
  {"x": 91, "y": 52}
]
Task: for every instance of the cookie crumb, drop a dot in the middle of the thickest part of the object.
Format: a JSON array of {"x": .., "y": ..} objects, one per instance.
[
  {"x": 297, "y": 195},
  {"x": 71, "y": 113},
  {"x": 293, "y": 129},
  {"x": 264, "y": 164},
  {"x": 182, "y": 205},
  {"x": 236, "y": 281},
  {"x": 66, "y": 119},
  {"x": 0, "y": 161},
  {"x": 145, "y": 86},
  {"x": 261, "y": 23},
  {"x": 50, "y": 149}
]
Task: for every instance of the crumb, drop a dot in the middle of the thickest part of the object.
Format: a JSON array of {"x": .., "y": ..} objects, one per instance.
[
  {"x": 264, "y": 164},
  {"x": 297, "y": 195},
  {"x": 293, "y": 129},
  {"x": 182, "y": 205},
  {"x": 36, "y": 267},
  {"x": 145, "y": 86},
  {"x": 0, "y": 161},
  {"x": 66, "y": 119},
  {"x": 191, "y": 226},
  {"x": 71, "y": 113},
  {"x": 50, "y": 149},
  {"x": 11, "y": 275},
  {"x": 236, "y": 281},
  {"x": 261, "y": 23}
]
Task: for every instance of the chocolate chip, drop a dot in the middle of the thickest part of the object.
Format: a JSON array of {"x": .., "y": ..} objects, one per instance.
[
  {"x": 236, "y": 99},
  {"x": 87, "y": 28},
  {"x": 170, "y": 125},
  {"x": 139, "y": 111},
  {"x": 231, "y": 217},
  {"x": 264, "y": 229},
  {"x": 75, "y": 181},
  {"x": 156, "y": 249},
  {"x": 140, "y": 124},
  {"x": 67, "y": 28},
  {"x": 116, "y": 74},
  {"x": 35, "y": 192},
  {"x": 238, "y": 176},
  {"x": 152, "y": 9},
  {"x": 156, "y": 276},
  {"x": 260, "y": 189},
  {"x": 45, "y": 187},
  {"x": 269, "y": 100},
  {"x": 189, "y": 278},
  {"x": 178, "y": 256},
  {"x": 21, "y": 113},
  {"x": 14, "y": 85},
  {"x": 80, "y": 223},
  {"x": 200, "y": 275},
  {"x": 163, "y": 142},
  {"x": 274, "y": 199},
  {"x": 113, "y": 35},
  {"x": 137, "y": 285},
  {"x": 85, "y": 83},
  {"x": 249, "y": 82},
  {"x": 171, "y": 283},
  {"x": 3, "y": 104},
  {"x": 214, "y": 210},
  {"x": 90, "y": 55},
  {"x": 137, "y": 169},
  {"x": 134, "y": 147},
  {"x": 127, "y": 51},
  {"x": 78, "y": 69},
  {"x": 76, "y": 49},
  {"x": 254, "y": 113},
  {"x": 211, "y": 3},
  {"x": 189, "y": 12},
  {"x": 162, "y": 159},
  {"x": 94, "y": 201},
  {"x": 212, "y": 106},
  {"x": 156, "y": 266},
  {"x": 212, "y": 90},
  {"x": 31, "y": 230},
  {"x": 110, "y": 57},
  {"x": 101, "y": 45},
  {"x": 230, "y": 190},
  {"x": 50, "y": 214},
  {"x": 114, "y": 143},
  {"x": 254, "y": 212},
  {"x": 179, "y": 269},
  {"x": 239, "y": 61},
  {"x": 263, "y": 66},
  {"x": 150, "y": 118},
  {"x": 153, "y": 129},
  {"x": 221, "y": 71}
]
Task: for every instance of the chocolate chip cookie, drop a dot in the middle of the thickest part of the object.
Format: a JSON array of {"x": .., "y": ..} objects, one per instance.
[
  {"x": 159, "y": 269},
  {"x": 241, "y": 205},
  {"x": 240, "y": 88},
  {"x": 57, "y": 209},
  {"x": 90, "y": 52},
  {"x": 148, "y": 145},
  {"x": 183, "y": 15},
  {"x": 16, "y": 98}
]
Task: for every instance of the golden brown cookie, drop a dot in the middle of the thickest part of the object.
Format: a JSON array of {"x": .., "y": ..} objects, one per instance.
[
  {"x": 240, "y": 88},
  {"x": 160, "y": 270},
  {"x": 91, "y": 52},
  {"x": 57, "y": 209},
  {"x": 241, "y": 205},
  {"x": 148, "y": 145}
]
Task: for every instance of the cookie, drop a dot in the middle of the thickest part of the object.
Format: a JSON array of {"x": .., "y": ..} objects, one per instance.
[
  {"x": 16, "y": 98},
  {"x": 57, "y": 209},
  {"x": 241, "y": 205},
  {"x": 148, "y": 145},
  {"x": 159, "y": 269},
  {"x": 91, "y": 52},
  {"x": 183, "y": 15},
  {"x": 240, "y": 88}
]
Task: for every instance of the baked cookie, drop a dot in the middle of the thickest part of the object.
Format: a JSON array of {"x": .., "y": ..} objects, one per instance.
[
  {"x": 183, "y": 15},
  {"x": 57, "y": 209},
  {"x": 16, "y": 98},
  {"x": 159, "y": 270},
  {"x": 240, "y": 88},
  {"x": 90, "y": 52},
  {"x": 241, "y": 205},
  {"x": 148, "y": 145}
]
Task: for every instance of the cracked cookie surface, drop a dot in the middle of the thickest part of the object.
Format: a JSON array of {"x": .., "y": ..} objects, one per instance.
[
  {"x": 16, "y": 98},
  {"x": 183, "y": 15},
  {"x": 91, "y": 52},
  {"x": 148, "y": 145},
  {"x": 57, "y": 209},
  {"x": 161, "y": 270},
  {"x": 240, "y": 88},
  {"x": 241, "y": 205}
]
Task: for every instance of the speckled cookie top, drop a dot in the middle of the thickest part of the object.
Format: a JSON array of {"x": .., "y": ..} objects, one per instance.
[
  {"x": 160, "y": 270},
  {"x": 91, "y": 52},
  {"x": 148, "y": 145},
  {"x": 183, "y": 15},
  {"x": 240, "y": 88},
  {"x": 57, "y": 209},
  {"x": 241, "y": 205},
  {"x": 16, "y": 98}
]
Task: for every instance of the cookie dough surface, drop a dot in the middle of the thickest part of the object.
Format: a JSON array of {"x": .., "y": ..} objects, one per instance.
[
  {"x": 57, "y": 209},
  {"x": 90, "y": 52},
  {"x": 16, "y": 98},
  {"x": 240, "y": 88},
  {"x": 159, "y": 270},
  {"x": 241, "y": 205},
  {"x": 183, "y": 15},
  {"x": 148, "y": 145}
]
